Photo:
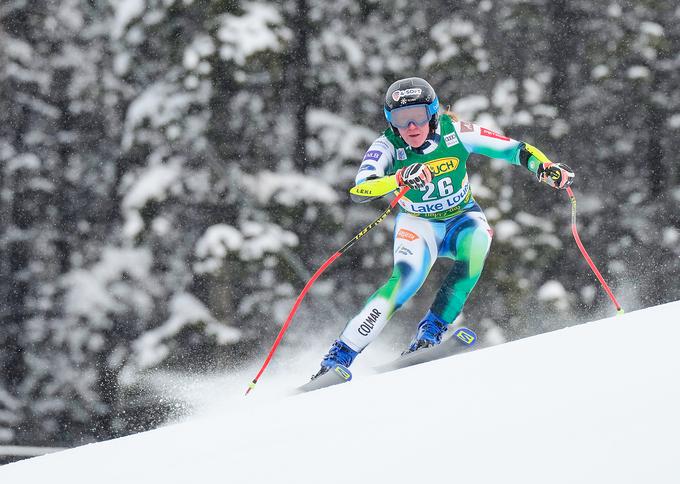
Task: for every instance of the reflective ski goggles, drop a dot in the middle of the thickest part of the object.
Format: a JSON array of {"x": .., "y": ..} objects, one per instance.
[
  {"x": 402, "y": 117},
  {"x": 419, "y": 114}
]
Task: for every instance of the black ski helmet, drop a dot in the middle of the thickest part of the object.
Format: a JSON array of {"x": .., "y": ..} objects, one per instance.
[{"x": 409, "y": 92}]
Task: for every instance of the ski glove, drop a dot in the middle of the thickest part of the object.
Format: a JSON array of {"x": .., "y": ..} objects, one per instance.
[
  {"x": 414, "y": 176},
  {"x": 557, "y": 175}
]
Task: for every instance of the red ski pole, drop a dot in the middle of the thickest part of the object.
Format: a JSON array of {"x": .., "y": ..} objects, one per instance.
[
  {"x": 318, "y": 272},
  {"x": 590, "y": 262}
]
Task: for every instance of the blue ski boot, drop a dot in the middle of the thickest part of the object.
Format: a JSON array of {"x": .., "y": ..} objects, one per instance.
[
  {"x": 339, "y": 354},
  {"x": 430, "y": 332}
]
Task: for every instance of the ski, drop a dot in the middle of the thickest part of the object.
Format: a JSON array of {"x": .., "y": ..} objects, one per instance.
[
  {"x": 335, "y": 376},
  {"x": 462, "y": 341}
]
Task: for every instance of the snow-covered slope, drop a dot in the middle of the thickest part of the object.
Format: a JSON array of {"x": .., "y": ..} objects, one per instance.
[{"x": 596, "y": 403}]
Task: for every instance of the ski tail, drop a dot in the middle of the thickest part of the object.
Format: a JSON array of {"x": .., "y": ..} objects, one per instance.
[{"x": 465, "y": 336}]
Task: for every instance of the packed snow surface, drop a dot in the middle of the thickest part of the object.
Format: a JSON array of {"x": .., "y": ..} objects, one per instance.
[{"x": 590, "y": 404}]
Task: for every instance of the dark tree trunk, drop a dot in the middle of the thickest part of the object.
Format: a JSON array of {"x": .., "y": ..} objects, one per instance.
[
  {"x": 299, "y": 80},
  {"x": 562, "y": 51},
  {"x": 656, "y": 173}
]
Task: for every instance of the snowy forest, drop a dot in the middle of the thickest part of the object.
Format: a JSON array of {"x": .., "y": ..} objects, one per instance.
[{"x": 172, "y": 172}]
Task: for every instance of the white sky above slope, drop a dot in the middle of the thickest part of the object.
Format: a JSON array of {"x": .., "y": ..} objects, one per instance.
[{"x": 592, "y": 403}]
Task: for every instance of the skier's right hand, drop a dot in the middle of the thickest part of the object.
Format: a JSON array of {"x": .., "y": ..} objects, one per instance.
[{"x": 414, "y": 176}]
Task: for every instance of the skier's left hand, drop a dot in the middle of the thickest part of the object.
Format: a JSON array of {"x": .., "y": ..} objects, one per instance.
[{"x": 557, "y": 175}]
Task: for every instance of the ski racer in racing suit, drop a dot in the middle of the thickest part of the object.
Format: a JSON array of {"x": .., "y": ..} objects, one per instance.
[{"x": 438, "y": 216}]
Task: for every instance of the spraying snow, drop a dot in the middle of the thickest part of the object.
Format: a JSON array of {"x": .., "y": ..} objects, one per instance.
[{"x": 591, "y": 403}]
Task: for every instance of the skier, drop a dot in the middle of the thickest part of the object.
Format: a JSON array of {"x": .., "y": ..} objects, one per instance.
[{"x": 438, "y": 218}]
